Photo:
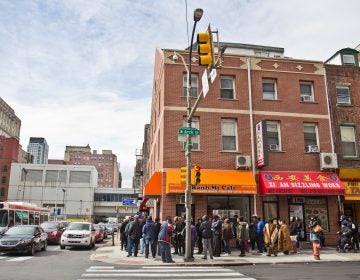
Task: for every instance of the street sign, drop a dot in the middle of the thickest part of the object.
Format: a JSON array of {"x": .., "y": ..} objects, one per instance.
[
  {"x": 129, "y": 201},
  {"x": 213, "y": 74},
  {"x": 189, "y": 130},
  {"x": 205, "y": 83}
]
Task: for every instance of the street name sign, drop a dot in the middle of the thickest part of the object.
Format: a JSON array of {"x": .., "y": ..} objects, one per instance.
[
  {"x": 189, "y": 130},
  {"x": 129, "y": 201}
]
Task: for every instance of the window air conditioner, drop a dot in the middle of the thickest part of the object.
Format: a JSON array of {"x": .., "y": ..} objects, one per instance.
[
  {"x": 306, "y": 98},
  {"x": 242, "y": 161},
  {"x": 312, "y": 149},
  {"x": 328, "y": 161},
  {"x": 273, "y": 147}
]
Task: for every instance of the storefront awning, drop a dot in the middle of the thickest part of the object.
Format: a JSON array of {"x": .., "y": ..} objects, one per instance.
[
  {"x": 312, "y": 183},
  {"x": 153, "y": 186},
  {"x": 214, "y": 182},
  {"x": 350, "y": 178}
]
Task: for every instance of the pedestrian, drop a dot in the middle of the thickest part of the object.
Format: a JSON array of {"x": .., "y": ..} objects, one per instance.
[
  {"x": 134, "y": 233},
  {"x": 354, "y": 232},
  {"x": 271, "y": 237},
  {"x": 123, "y": 236},
  {"x": 315, "y": 230},
  {"x": 199, "y": 236},
  {"x": 180, "y": 236},
  {"x": 253, "y": 232},
  {"x": 205, "y": 229},
  {"x": 260, "y": 234},
  {"x": 193, "y": 237},
  {"x": 216, "y": 228},
  {"x": 227, "y": 235},
  {"x": 284, "y": 240},
  {"x": 157, "y": 226},
  {"x": 142, "y": 242},
  {"x": 174, "y": 236},
  {"x": 164, "y": 240},
  {"x": 299, "y": 227},
  {"x": 234, "y": 228},
  {"x": 149, "y": 237},
  {"x": 242, "y": 235},
  {"x": 293, "y": 233}
]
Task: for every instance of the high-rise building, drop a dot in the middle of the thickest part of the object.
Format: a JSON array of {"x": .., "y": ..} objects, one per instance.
[
  {"x": 105, "y": 163},
  {"x": 39, "y": 149}
]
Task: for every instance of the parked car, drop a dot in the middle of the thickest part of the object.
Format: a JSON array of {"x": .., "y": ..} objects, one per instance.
[
  {"x": 78, "y": 234},
  {"x": 108, "y": 228},
  {"x": 54, "y": 231},
  {"x": 99, "y": 233},
  {"x": 24, "y": 238}
]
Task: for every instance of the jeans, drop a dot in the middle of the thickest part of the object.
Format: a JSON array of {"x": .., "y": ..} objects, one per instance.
[
  {"x": 207, "y": 246},
  {"x": 199, "y": 244},
  {"x": 133, "y": 245},
  {"x": 165, "y": 252},
  {"x": 142, "y": 245},
  {"x": 151, "y": 244},
  {"x": 227, "y": 246}
]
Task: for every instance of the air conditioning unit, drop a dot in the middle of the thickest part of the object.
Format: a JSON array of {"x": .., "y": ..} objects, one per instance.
[
  {"x": 328, "y": 161},
  {"x": 311, "y": 149},
  {"x": 242, "y": 161},
  {"x": 273, "y": 147},
  {"x": 306, "y": 98}
]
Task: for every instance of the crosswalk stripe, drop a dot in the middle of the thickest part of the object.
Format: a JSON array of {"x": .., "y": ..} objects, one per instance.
[
  {"x": 2, "y": 258},
  {"x": 159, "y": 274},
  {"x": 101, "y": 267},
  {"x": 172, "y": 269},
  {"x": 19, "y": 259}
]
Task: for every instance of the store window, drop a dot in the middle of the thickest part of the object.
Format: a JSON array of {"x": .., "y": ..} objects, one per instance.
[
  {"x": 229, "y": 206},
  {"x": 271, "y": 207},
  {"x": 317, "y": 207}
]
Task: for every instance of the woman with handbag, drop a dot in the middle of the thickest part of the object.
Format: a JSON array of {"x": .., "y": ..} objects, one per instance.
[{"x": 315, "y": 230}]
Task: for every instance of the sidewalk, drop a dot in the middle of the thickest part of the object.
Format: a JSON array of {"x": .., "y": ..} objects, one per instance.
[{"x": 113, "y": 255}]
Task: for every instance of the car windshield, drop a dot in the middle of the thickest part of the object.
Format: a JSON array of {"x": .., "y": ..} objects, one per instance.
[
  {"x": 49, "y": 225},
  {"x": 79, "y": 226},
  {"x": 19, "y": 230}
]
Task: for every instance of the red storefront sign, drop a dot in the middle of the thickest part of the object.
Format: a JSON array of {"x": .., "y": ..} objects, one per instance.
[{"x": 312, "y": 183}]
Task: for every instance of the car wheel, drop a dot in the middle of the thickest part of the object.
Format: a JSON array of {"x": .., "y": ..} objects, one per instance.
[
  {"x": 31, "y": 251},
  {"x": 62, "y": 247},
  {"x": 44, "y": 246}
]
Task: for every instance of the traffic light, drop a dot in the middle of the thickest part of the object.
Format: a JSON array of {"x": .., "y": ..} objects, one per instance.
[
  {"x": 205, "y": 48},
  {"x": 183, "y": 175},
  {"x": 197, "y": 178}
]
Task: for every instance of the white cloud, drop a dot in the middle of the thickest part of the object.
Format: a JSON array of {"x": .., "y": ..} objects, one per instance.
[{"x": 80, "y": 72}]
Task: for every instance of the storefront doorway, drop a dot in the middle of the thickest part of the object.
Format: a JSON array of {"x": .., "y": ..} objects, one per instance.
[{"x": 296, "y": 209}]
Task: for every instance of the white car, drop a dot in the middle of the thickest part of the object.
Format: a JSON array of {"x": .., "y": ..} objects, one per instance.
[{"x": 78, "y": 234}]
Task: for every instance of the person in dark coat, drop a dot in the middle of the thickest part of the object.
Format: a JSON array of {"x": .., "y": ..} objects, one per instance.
[
  {"x": 205, "y": 229},
  {"x": 134, "y": 233},
  {"x": 164, "y": 240},
  {"x": 157, "y": 226},
  {"x": 123, "y": 236},
  {"x": 199, "y": 236},
  {"x": 216, "y": 228},
  {"x": 149, "y": 237},
  {"x": 253, "y": 232},
  {"x": 227, "y": 235}
]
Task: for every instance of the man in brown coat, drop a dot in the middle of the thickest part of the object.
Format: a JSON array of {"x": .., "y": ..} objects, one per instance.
[
  {"x": 227, "y": 235},
  {"x": 271, "y": 237},
  {"x": 284, "y": 240}
]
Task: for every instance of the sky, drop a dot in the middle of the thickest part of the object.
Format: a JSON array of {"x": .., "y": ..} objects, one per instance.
[{"x": 80, "y": 72}]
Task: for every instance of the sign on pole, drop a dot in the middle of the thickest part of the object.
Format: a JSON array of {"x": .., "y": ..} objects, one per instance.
[
  {"x": 205, "y": 83},
  {"x": 189, "y": 130},
  {"x": 129, "y": 201},
  {"x": 213, "y": 74}
]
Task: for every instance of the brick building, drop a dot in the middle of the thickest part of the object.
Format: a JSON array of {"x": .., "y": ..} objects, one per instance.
[
  {"x": 106, "y": 163},
  {"x": 265, "y": 146},
  {"x": 9, "y": 150},
  {"x": 343, "y": 86}
]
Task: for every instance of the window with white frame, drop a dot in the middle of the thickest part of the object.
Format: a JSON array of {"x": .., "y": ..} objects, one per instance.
[
  {"x": 348, "y": 59},
  {"x": 343, "y": 95},
  {"x": 269, "y": 89},
  {"x": 306, "y": 92},
  {"x": 273, "y": 135},
  {"x": 227, "y": 87},
  {"x": 195, "y": 139},
  {"x": 193, "y": 85},
  {"x": 229, "y": 135},
  {"x": 348, "y": 141},
  {"x": 311, "y": 138}
]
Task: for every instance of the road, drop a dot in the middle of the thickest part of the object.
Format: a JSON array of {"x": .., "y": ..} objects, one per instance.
[{"x": 75, "y": 264}]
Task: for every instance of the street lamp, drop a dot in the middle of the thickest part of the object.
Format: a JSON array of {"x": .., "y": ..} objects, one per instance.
[
  {"x": 80, "y": 208},
  {"x": 25, "y": 173},
  {"x": 64, "y": 191},
  {"x": 197, "y": 16}
]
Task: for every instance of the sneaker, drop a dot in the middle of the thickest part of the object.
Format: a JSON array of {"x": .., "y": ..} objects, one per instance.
[
  {"x": 204, "y": 258},
  {"x": 128, "y": 255},
  {"x": 171, "y": 261}
]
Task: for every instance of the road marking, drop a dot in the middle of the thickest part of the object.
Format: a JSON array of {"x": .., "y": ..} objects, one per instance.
[
  {"x": 167, "y": 269},
  {"x": 145, "y": 275},
  {"x": 101, "y": 267},
  {"x": 19, "y": 259}
]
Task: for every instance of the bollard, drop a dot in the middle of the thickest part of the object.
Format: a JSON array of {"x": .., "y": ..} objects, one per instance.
[{"x": 113, "y": 241}]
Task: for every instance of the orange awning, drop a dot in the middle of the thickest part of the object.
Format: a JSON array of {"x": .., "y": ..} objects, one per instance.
[
  {"x": 153, "y": 185},
  {"x": 214, "y": 182}
]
